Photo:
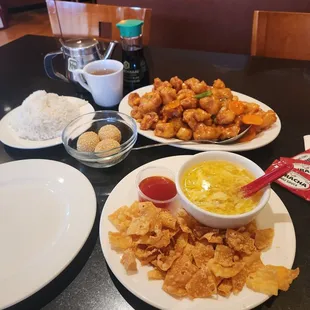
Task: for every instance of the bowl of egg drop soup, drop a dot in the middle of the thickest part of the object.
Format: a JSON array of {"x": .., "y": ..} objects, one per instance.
[{"x": 208, "y": 186}]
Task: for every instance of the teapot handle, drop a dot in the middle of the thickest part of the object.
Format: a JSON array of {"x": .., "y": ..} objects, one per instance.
[{"x": 48, "y": 66}]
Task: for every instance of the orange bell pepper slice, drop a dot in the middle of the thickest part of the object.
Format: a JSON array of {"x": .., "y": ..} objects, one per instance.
[
  {"x": 250, "y": 135},
  {"x": 236, "y": 106},
  {"x": 252, "y": 119}
]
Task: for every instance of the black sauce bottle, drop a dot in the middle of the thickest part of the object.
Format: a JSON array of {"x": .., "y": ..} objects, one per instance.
[{"x": 136, "y": 73}]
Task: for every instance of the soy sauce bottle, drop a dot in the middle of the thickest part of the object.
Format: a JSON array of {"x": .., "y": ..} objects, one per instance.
[{"x": 136, "y": 72}]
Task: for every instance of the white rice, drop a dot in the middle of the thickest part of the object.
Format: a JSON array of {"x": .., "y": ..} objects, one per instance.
[{"x": 43, "y": 116}]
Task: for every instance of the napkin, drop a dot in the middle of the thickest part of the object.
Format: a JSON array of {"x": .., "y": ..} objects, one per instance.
[{"x": 307, "y": 142}]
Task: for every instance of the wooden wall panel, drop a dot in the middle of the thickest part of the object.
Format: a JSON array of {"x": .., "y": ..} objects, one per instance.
[
  {"x": 19, "y": 3},
  {"x": 211, "y": 25}
]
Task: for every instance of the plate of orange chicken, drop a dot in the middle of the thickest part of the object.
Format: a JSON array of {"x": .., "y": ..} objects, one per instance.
[{"x": 192, "y": 110}]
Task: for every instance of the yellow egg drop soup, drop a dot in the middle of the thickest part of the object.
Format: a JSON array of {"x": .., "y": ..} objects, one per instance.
[{"x": 214, "y": 186}]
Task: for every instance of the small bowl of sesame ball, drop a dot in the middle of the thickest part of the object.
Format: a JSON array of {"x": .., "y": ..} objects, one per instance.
[{"x": 100, "y": 139}]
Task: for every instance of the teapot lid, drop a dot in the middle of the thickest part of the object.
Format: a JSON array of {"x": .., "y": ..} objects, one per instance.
[{"x": 80, "y": 47}]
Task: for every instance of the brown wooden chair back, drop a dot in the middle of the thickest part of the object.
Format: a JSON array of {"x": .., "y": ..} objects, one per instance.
[
  {"x": 72, "y": 19},
  {"x": 281, "y": 35}
]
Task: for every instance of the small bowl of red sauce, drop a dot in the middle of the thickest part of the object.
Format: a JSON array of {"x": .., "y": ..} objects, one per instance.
[{"x": 156, "y": 184}]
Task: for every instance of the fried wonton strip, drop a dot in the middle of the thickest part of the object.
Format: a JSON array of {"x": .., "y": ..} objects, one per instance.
[
  {"x": 225, "y": 272},
  {"x": 263, "y": 238},
  {"x": 238, "y": 281},
  {"x": 224, "y": 255},
  {"x": 285, "y": 276},
  {"x": 241, "y": 242},
  {"x": 202, "y": 284},
  {"x": 225, "y": 288},
  {"x": 263, "y": 281},
  {"x": 129, "y": 261},
  {"x": 202, "y": 253},
  {"x": 178, "y": 276},
  {"x": 119, "y": 241},
  {"x": 156, "y": 274},
  {"x": 253, "y": 262}
]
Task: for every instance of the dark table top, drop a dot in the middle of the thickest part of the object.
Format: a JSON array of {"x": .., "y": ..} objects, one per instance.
[{"x": 284, "y": 85}]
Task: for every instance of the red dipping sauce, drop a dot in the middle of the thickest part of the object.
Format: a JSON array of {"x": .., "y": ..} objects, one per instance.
[{"x": 157, "y": 189}]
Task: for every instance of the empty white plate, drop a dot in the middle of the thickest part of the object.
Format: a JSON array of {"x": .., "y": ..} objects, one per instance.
[{"x": 47, "y": 210}]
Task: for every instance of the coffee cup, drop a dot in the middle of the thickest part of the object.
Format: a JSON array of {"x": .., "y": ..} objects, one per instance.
[{"x": 104, "y": 80}]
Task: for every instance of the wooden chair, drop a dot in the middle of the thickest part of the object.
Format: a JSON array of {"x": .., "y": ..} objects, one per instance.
[
  {"x": 73, "y": 19},
  {"x": 281, "y": 35}
]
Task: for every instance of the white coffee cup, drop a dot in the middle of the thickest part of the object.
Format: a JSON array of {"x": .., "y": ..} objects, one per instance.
[{"x": 106, "y": 89}]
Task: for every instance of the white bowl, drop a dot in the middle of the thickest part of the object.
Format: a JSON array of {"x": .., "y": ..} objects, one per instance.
[{"x": 219, "y": 220}]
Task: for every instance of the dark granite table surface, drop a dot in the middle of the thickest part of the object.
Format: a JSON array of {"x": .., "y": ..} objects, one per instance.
[{"x": 284, "y": 85}]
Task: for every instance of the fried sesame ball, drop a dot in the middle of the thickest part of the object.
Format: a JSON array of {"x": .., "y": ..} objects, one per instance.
[
  {"x": 110, "y": 132},
  {"x": 87, "y": 141},
  {"x": 105, "y": 145}
]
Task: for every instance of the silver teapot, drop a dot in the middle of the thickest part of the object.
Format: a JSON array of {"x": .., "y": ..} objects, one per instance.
[{"x": 77, "y": 53}]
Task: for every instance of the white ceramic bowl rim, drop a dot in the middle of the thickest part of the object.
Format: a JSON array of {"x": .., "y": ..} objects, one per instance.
[{"x": 264, "y": 199}]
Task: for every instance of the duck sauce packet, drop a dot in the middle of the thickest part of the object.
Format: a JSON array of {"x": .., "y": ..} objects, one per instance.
[
  {"x": 296, "y": 181},
  {"x": 303, "y": 156}
]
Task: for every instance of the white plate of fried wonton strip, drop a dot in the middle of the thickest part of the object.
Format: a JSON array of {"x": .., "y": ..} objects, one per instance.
[
  {"x": 282, "y": 251},
  {"x": 263, "y": 138}
]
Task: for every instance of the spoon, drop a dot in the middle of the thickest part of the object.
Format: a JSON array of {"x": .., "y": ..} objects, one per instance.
[
  {"x": 253, "y": 187},
  {"x": 181, "y": 142}
]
